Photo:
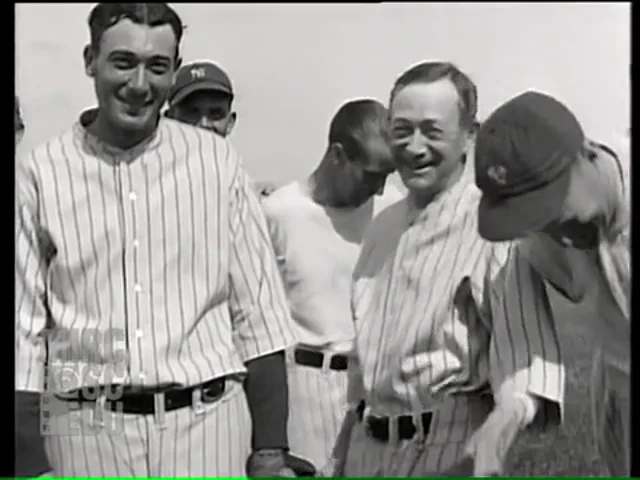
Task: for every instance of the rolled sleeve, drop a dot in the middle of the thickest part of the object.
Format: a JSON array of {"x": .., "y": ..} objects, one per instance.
[
  {"x": 261, "y": 320},
  {"x": 30, "y": 275},
  {"x": 524, "y": 355}
]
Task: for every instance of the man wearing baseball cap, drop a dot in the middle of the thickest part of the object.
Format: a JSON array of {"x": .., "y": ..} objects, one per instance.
[
  {"x": 202, "y": 95},
  {"x": 567, "y": 198}
]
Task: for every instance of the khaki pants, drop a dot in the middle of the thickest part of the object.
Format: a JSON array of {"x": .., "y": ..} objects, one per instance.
[{"x": 610, "y": 390}]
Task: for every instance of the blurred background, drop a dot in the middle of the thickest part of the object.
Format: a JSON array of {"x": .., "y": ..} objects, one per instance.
[{"x": 293, "y": 65}]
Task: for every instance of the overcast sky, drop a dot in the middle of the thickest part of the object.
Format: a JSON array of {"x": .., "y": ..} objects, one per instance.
[{"x": 294, "y": 65}]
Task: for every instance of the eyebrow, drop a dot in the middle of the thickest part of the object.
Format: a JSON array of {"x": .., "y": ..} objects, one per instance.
[{"x": 129, "y": 53}]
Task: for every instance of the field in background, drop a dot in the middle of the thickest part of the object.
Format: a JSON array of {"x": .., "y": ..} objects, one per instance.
[{"x": 569, "y": 450}]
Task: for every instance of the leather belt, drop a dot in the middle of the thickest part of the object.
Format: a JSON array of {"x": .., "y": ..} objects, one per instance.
[
  {"x": 311, "y": 358},
  {"x": 142, "y": 402},
  {"x": 379, "y": 427}
]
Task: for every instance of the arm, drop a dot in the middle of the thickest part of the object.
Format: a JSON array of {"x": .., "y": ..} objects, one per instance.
[
  {"x": 31, "y": 317},
  {"x": 526, "y": 374},
  {"x": 262, "y": 324}
]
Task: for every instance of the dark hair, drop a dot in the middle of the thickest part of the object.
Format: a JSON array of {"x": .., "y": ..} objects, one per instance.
[
  {"x": 428, "y": 72},
  {"x": 105, "y": 15},
  {"x": 354, "y": 122},
  {"x": 18, "y": 123}
]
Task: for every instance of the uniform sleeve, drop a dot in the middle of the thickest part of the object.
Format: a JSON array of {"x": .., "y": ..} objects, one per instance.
[
  {"x": 258, "y": 306},
  {"x": 276, "y": 232},
  {"x": 524, "y": 352},
  {"x": 30, "y": 274}
]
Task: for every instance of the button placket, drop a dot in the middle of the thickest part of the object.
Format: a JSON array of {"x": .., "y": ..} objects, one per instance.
[{"x": 132, "y": 265}]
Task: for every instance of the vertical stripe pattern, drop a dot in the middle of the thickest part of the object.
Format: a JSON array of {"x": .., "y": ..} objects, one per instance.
[
  {"x": 156, "y": 260},
  {"x": 317, "y": 406},
  {"x": 424, "y": 302},
  {"x": 211, "y": 443},
  {"x": 146, "y": 267},
  {"x": 316, "y": 249}
]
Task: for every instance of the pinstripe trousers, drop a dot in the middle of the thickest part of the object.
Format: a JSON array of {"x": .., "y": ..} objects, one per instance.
[
  {"x": 611, "y": 410},
  {"x": 317, "y": 406},
  {"x": 453, "y": 423},
  {"x": 215, "y": 441}
]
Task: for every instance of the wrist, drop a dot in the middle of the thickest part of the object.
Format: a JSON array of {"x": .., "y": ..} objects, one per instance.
[{"x": 525, "y": 405}]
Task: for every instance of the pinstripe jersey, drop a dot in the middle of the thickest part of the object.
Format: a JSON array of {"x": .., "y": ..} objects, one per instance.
[
  {"x": 605, "y": 270},
  {"x": 153, "y": 265},
  {"x": 424, "y": 296}
]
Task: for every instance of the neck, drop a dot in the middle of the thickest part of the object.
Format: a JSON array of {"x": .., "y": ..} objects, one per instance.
[
  {"x": 421, "y": 198},
  {"x": 324, "y": 185},
  {"x": 122, "y": 139}
]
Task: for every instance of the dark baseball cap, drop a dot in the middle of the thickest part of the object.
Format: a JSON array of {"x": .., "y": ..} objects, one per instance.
[
  {"x": 523, "y": 158},
  {"x": 196, "y": 77}
]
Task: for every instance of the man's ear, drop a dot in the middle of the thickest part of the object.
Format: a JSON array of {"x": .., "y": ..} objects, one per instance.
[
  {"x": 338, "y": 154},
  {"x": 89, "y": 61},
  {"x": 231, "y": 123}
]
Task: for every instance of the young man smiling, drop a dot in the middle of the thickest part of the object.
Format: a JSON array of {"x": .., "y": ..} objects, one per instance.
[{"x": 142, "y": 253}]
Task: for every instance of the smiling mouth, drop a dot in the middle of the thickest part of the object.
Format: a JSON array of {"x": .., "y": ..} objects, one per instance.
[
  {"x": 135, "y": 105},
  {"x": 422, "y": 166}
]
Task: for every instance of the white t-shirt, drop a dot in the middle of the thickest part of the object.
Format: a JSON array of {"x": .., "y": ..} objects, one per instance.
[{"x": 317, "y": 248}]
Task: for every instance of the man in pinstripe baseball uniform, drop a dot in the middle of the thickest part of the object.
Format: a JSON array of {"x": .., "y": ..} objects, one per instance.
[
  {"x": 143, "y": 254},
  {"x": 202, "y": 95},
  {"x": 429, "y": 353},
  {"x": 317, "y": 227},
  {"x": 569, "y": 197}
]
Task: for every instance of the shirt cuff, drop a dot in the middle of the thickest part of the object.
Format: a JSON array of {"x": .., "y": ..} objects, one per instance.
[{"x": 531, "y": 406}]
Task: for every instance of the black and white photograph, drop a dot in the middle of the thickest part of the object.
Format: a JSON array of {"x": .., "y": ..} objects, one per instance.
[{"x": 323, "y": 240}]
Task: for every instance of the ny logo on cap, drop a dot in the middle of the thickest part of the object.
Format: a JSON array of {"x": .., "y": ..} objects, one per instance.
[
  {"x": 197, "y": 73},
  {"x": 498, "y": 174}
]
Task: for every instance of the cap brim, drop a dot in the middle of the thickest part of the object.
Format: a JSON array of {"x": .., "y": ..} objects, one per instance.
[
  {"x": 514, "y": 217},
  {"x": 204, "y": 86}
]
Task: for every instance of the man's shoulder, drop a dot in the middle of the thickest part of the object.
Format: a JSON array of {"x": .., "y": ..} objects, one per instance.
[
  {"x": 53, "y": 152},
  {"x": 390, "y": 196},
  {"x": 285, "y": 200}
]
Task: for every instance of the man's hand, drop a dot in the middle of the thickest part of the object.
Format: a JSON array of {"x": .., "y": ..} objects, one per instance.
[
  {"x": 489, "y": 445},
  {"x": 268, "y": 463}
]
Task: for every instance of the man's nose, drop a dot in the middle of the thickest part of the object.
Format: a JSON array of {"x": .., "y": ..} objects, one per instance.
[
  {"x": 140, "y": 82},
  {"x": 417, "y": 145}
]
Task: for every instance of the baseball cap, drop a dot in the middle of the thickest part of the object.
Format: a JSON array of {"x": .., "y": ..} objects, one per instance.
[
  {"x": 199, "y": 76},
  {"x": 524, "y": 152}
]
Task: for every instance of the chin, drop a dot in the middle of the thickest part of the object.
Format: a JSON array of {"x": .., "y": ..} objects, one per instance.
[
  {"x": 135, "y": 124},
  {"x": 417, "y": 184}
]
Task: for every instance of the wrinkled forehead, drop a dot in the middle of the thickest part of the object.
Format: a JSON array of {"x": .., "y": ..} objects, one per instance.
[
  {"x": 140, "y": 40},
  {"x": 438, "y": 101}
]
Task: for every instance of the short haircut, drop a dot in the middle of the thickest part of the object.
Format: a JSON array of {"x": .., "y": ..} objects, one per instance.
[
  {"x": 428, "y": 72},
  {"x": 355, "y": 122},
  {"x": 105, "y": 15}
]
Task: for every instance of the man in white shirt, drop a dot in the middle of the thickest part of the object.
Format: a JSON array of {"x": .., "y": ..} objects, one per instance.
[
  {"x": 568, "y": 198},
  {"x": 317, "y": 226}
]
